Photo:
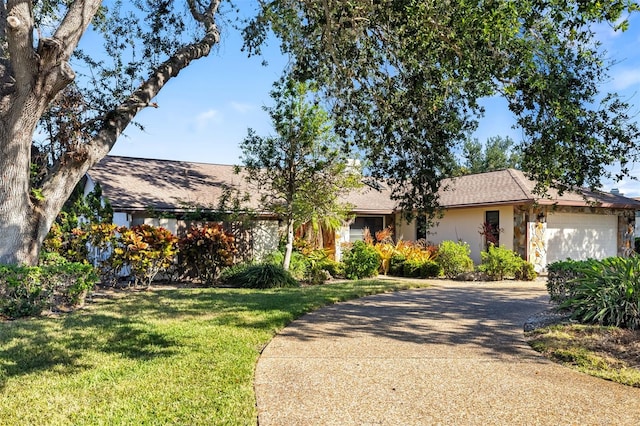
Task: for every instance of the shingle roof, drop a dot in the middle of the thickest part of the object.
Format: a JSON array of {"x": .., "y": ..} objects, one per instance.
[
  {"x": 511, "y": 186},
  {"x": 138, "y": 184}
]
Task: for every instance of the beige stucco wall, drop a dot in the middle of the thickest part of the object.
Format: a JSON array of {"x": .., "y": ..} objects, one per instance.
[
  {"x": 265, "y": 238},
  {"x": 464, "y": 224},
  {"x": 405, "y": 231},
  {"x": 169, "y": 224}
]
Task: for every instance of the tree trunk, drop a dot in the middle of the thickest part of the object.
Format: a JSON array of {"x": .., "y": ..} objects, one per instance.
[
  {"x": 18, "y": 215},
  {"x": 30, "y": 79},
  {"x": 289, "y": 247}
]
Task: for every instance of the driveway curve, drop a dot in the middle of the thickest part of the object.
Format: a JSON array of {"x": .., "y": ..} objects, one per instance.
[{"x": 452, "y": 354}]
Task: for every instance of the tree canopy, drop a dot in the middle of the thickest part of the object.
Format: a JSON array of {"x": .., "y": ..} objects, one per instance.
[
  {"x": 402, "y": 79},
  {"x": 496, "y": 153}
]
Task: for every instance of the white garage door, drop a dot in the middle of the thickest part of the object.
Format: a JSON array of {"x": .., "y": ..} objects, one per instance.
[{"x": 581, "y": 236}]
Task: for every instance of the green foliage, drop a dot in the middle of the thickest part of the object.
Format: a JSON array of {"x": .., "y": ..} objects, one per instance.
[
  {"x": 361, "y": 261},
  {"x": 319, "y": 267},
  {"x": 526, "y": 272},
  {"x": 404, "y": 83},
  {"x": 430, "y": 269},
  {"x": 561, "y": 278},
  {"x": 71, "y": 231},
  {"x": 454, "y": 258},
  {"x": 496, "y": 154},
  {"x": 69, "y": 281},
  {"x": 607, "y": 292},
  {"x": 205, "y": 250},
  {"x": 396, "y": 265},
  {"x": 300, "y": 173},
  {"x": 411, "y": 268},
  {"x": 298, "y": 266},
  {"x": 263, "y": 275},
  {"x": 500, "y": 263},
  {"x": 21, "y": 291},
  {"x": 57, "y": 284},
  {"x": 415, "y": 268}
]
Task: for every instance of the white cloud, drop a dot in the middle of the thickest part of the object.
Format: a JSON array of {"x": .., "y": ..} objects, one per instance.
[
  {"x": 625, "y": 78},
  {"x": 241, "y": 107},
  {"x": 206, "y": 118}
]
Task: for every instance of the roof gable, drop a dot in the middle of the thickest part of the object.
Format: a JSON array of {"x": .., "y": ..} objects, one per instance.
[{"x": 510, "y": 186}]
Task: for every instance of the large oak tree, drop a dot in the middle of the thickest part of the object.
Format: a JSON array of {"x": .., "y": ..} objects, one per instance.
[
  {"x": 75, "y": 103},
  {"x": 403, "y": 79}
]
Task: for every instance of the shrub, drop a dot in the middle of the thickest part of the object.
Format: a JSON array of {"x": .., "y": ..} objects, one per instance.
[
  {"x": 454, "y": 258},
  {"x": 334, "y": 268},
  {"x": 411, "y": 268},
  {"x": 430, "y": 269},
  {"x": 145, "y": 249},
  {"x": 69, "y": 282},
  {"x": 28, "y": 290},
  {"x": 320, "y": 267},
  {"x": 298, "y": 264},
  {"x": 361, "y": 261},
  {"x": 607, "y": 292},
  {"x": 205, "y": 250},
  {"x": 264, "y": 275},
  {"x": 526, "y": 272},
  {"x": 396, "y": 265},
  {"x": 561, "y": 278},
  {"x": 21, "y": 291},
  {"x": 499, "y": 262}
]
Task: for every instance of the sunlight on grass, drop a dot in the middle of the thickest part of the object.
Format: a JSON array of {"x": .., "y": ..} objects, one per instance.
[
  {"x": 165, "y": 357},
  {"x": 589, "y": 349}
]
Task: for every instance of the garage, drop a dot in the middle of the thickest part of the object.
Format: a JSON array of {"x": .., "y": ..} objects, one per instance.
[{"x": 581, "y": 236}]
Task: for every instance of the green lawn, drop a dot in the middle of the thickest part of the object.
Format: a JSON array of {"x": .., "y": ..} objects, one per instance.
[{"x": 182, "y": 356}]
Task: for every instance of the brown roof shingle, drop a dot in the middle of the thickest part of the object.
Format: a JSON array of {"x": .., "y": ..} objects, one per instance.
[
  {"x": 138, "y": 184},
  {"x": 511, "y": 186}
]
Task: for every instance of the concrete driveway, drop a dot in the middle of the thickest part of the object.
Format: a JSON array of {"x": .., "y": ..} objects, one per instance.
[{"x": 453, "y": 354}]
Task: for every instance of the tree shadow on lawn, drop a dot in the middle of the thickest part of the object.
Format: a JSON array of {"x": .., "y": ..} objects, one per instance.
[{"x": 61, "y": 344}]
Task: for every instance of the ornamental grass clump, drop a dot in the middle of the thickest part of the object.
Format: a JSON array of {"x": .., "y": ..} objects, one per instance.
[
  {"x": 607, "y": 293},
  {"x": 263, "y": 275}
]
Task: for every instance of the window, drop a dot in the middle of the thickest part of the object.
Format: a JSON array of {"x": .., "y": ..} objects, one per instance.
[
  {"x": 492, "y": 228},
  {"x": 421, "y": 227},
  {"x": 374, "y": 223}
]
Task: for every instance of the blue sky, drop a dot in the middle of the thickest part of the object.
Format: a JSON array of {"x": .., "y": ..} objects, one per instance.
[{"x": 205, "y": 112}]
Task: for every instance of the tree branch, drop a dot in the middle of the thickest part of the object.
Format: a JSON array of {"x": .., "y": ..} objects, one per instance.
[
  {"x": 19, "y": 27},
  {"x": 64, "y": 175},
  {"x": 74, "y": 24}
]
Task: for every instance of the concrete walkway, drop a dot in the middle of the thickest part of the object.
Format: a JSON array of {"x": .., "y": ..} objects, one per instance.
[{"x": 452, "y": 354}]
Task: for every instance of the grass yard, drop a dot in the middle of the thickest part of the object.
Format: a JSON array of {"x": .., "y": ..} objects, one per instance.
[
  {"x": 184, "y": 356},
  {"x": 610, "y": 353}
]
